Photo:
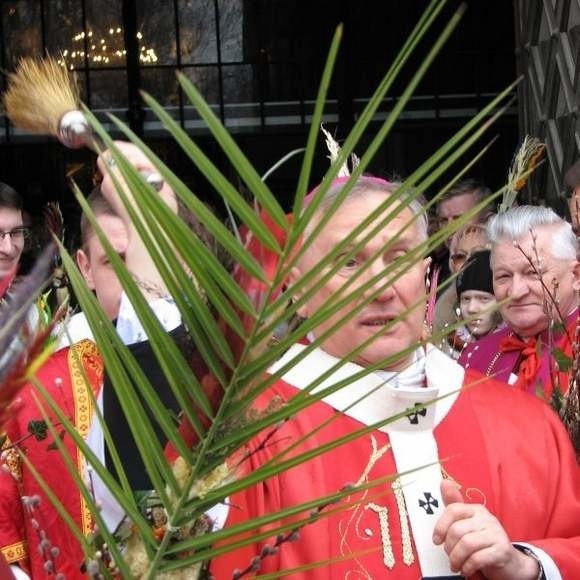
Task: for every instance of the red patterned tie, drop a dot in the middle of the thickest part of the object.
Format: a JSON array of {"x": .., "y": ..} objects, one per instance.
[{"x": 529, "y": 361}]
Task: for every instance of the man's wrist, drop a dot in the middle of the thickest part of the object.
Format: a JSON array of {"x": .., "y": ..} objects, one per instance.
[{"x": 532, "y": 565}]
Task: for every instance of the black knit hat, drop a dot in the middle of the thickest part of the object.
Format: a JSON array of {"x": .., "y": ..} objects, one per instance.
[{"x": 476, "y": 274}]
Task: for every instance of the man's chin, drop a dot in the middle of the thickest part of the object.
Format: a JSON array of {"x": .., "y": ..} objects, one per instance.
[
  {"x": 479, "y": 329},
  {"x": 527, "y": 330},
  {"x": 387, "y": 359}
]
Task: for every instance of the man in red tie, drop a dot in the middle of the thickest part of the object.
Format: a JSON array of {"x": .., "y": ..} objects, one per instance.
[{"x": 536, "y": 276}]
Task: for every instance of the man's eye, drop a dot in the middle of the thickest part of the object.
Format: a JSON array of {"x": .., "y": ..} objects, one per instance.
[
  {"x": 351, "y": 263},
  {"x": 397, "y": 261}
]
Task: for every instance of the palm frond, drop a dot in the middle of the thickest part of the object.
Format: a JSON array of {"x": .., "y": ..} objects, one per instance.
[{"x": 230, "y": 329}]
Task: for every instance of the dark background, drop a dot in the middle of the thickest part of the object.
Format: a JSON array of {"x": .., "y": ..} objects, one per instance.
[{"x": 258, "y": 62}]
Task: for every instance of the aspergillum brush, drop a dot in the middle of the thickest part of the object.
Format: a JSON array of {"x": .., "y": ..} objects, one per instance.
[{"x": 43, "y": 98}]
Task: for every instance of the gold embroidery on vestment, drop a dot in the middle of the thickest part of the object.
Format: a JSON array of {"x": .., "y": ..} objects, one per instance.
[
  {"x": 15, "y": 552},
  {"x": 10, "y": 458},
  {"x": 472, "y": 494},
  {"x": 83, "y": 359},
  {"x": 357, "y": 512},
  {"x": 383, "y": 513},
  {"x": 408, "y": 556}
]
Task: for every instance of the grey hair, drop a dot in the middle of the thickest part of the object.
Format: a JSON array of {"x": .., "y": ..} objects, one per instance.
[
  {"x": 517, "y": 223},
  {"x": 366, "y": 184}
]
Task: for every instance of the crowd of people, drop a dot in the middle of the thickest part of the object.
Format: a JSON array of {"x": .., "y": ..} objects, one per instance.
[{"x": 488, "y": 480}]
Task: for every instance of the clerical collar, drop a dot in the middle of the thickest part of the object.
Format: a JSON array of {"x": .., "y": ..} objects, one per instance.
[
  {"x": 368, "y": 396},
  {"x": 412, "y": 376}
]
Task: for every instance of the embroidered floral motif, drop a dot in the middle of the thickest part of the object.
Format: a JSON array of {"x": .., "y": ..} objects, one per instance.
[
  {"x": 356, "y": 513},
  {"x": 10, "y": 460}
]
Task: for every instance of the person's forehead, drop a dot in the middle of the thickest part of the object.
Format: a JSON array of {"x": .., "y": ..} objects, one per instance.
[
  {"x": 356, "y": 209},
  {"x": 464, "y": 200},
  {"x": 10, "y": 217},
  {"x": 476, "y": 294},
  {"x": 471, "y": 240},
  {"x": 115, "y": 231},
  {"x": 520, "y": 250}
]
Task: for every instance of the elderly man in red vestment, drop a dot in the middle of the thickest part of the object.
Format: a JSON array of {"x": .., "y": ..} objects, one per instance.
[
  {"x": 488, "y": 482},
  {"x": 25, "y": 511},
  {"x": 536, "y": 274}
]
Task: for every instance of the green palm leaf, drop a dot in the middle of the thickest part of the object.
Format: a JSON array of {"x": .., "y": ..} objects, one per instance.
[{"x": 238, "y": 359}]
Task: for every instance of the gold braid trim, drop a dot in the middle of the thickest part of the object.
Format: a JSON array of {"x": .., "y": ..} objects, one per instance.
[
  {"x": 86, "y": 373},
  {"x": 383, "y": 514},
  {"x": 15, "y": 552},
  {"x": 408, "y": 556}
]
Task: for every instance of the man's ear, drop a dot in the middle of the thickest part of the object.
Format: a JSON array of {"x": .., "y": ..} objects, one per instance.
[
  {"x": 293, "y": 277},
  {"x": 576, "y": 275},
  {"x": 84, "y": 264}
]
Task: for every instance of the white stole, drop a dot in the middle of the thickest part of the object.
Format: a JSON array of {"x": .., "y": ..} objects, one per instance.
[{"x": 380, "y": 395}]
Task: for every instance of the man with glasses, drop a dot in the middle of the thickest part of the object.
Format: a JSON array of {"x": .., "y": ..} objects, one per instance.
[{"x": 13, "y": 234}]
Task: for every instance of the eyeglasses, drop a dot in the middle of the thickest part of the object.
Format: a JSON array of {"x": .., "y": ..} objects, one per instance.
[
  {"x": 459, "y": 258},
  {"x": 16, "y": 234}
]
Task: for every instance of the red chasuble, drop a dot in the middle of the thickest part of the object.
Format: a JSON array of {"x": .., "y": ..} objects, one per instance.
[
  {"x": 64, "y": 377},
  {"x": 5, "y": 572},
  {"x": 507, "y": 450}
]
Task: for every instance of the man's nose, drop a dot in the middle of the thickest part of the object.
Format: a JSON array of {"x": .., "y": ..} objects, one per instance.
[
  {"x": 446, "y": 220},
  {"x": 380, "y": 283},
  {"x": 6, "y": 244},
  {"x": 519, "y": 287}
]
